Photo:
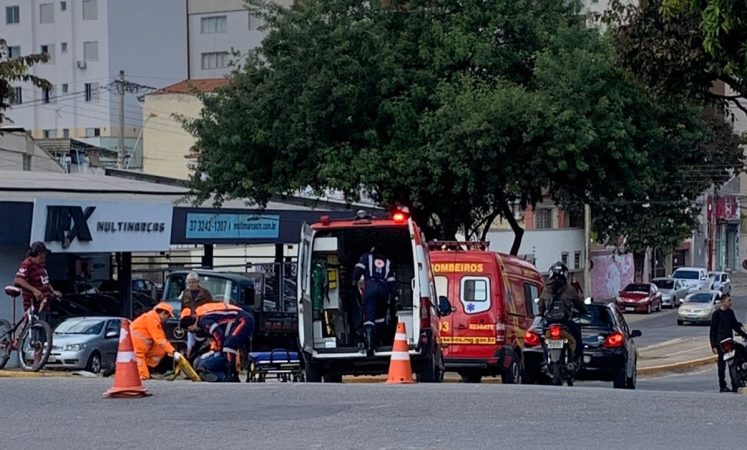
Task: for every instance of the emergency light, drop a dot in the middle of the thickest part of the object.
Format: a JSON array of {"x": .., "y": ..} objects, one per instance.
[{"x": 400, "y": 214}]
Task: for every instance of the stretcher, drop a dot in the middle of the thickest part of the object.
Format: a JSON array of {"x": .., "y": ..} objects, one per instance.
[{"x": 280, "y": 364}]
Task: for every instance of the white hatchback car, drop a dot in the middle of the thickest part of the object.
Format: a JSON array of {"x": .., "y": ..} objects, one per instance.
[{"x": 695, "y": 278}]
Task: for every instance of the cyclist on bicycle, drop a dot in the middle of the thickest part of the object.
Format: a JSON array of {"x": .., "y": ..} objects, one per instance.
[{"x": 33, "y": 278}]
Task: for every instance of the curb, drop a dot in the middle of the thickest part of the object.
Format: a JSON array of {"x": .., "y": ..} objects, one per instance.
[
  {"x": 41, "y": 374},
  {"x": 677, "y": 366}
]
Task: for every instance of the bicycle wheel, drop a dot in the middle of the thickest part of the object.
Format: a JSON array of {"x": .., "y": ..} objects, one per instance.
[
  {"x": 6, "y": 343},
  {"x": 35, "y": 346}
]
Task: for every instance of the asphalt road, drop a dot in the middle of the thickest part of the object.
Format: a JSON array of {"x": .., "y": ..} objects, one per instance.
[
  {"x": 71, "y": 414},
  {"x": 662, "y": 326}
]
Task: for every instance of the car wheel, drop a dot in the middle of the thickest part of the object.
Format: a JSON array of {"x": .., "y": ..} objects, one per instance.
[
  {"x": 633, "y": 378},
  {"x": 94, "y": 363},
  {"x": 512, "y": 374}
]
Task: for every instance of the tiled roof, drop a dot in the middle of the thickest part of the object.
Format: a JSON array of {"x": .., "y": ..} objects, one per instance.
[{"x": 190, "y": 86}]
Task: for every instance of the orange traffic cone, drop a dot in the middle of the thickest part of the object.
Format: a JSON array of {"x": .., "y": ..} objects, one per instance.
[
  {"x": 126, "y": 379},
  {"x": 400, "y": 370}
]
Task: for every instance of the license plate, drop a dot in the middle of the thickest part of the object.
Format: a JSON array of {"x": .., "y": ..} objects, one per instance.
[
  {"x": 729, "y": 355},
  {"x": 554, "y": 343},
  {"x": 629, "y": 308}
]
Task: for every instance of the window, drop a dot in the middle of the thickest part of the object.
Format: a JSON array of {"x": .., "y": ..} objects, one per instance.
[
  {"x": 12, "y": 14},
  {"x": 48, "y": 96},
  {"x": 216, "y": 60},
  {"x": 90, "y": 10},
  {"x": 474, "y": 294},
  {"x": 442, "y": 286},
  {"x": 577, "y": 260},
  {"x": 66, "y": 133},
  {"x": 564, "y": 258},
  {"x": 46, "y": 13},
  {"x": 91, "y": 51},
  {"x": 64, "y": 88},
  {"x": 530, "y": 293},
  {"x": 63, "y": 6},
  {"x": 26, "y": 162},
  {"x": 543, "y": 218},
  {"x": 92, "y": 91},
  {"x": 63, "y": 47},
  {"x": 16, "y": 96},
  {"x": 113, "y": 326},
  {"x": 212, "y": 25},
  {"x": 49, "y": 134},
  {"x": 14, "y": 51},
  {"x": 49, "y": 51},
  {"x": 93, "y": 132}
]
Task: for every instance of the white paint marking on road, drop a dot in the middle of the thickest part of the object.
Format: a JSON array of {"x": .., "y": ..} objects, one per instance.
[{"x": 663, "y": 344}]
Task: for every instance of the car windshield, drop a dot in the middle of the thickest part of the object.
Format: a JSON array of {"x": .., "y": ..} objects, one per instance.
[
  {"x": 636, "y": 288},
  {"x": 686, "y": 274},
  {"x": 664, "y": 284},
  {"x": 80, "y": 326},
  {"x": 597, "y": 316},
  {"x": 715, "y": 276},
  {"x": 700, "y": 298}
]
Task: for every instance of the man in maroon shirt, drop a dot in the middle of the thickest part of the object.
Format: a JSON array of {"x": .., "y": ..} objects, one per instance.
[{"x": 32, "y": 277}]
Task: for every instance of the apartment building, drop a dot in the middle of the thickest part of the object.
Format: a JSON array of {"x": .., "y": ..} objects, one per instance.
[
  {"x": 217, "y": 30},
  {"x": 88, "y": 43}
]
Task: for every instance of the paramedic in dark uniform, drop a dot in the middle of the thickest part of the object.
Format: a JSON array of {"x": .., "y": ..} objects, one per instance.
[{"x": 378, "y": 287}]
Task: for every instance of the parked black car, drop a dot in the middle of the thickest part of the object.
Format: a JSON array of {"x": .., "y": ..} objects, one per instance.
[{"x": 610, "y": 352}]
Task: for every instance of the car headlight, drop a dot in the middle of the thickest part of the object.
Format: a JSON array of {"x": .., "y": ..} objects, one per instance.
[{"x": 74, "y": 347}]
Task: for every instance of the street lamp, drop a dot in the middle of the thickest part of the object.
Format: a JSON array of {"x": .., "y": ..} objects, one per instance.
[{"x": 139, "y": 138}]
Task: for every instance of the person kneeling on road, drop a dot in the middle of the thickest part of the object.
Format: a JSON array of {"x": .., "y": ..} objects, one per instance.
[
  {"x": 557, "y": 301},
  {"x": 229, "y": 328},
  {"x": 153, "y": 352}
]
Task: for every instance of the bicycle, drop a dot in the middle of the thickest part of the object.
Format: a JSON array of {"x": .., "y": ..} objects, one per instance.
[{"x": 31, "y": 336}]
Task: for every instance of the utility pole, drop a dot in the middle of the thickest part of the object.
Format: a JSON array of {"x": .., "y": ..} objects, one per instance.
[
  {"x": 121, "y": 92},
  {"x": 587, "y": 250}
]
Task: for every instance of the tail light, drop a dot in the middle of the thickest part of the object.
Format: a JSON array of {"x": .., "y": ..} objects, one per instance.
[
  {"x": 425, "y": 313},
  {"x": 500, "y": 333},
  {"x": 555, "y": 331},
  {"x": 614, "y": 340},
  {"x": 727, "y": 345},
  {"x": 531, "y": 339}
]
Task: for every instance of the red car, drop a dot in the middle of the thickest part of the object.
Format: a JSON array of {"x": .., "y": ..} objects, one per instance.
[{"x": 639, "y": 297}]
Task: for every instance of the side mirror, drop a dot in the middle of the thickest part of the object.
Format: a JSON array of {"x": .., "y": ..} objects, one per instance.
[
  {"x": 536, "y": 301},
  {"x": 444, "y": 306},
  {"x": 636, "y": 333},
  {"x": 112, "y": 334},
  {"x": 588, "y": 301}
]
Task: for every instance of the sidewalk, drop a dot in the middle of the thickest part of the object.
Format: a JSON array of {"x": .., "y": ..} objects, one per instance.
[{"x": 677, "y": 354}]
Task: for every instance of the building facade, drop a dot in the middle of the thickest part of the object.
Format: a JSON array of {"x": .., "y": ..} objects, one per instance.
[
  {"x": 221, "y": 32},
  {"x": 88, "y": 42}
]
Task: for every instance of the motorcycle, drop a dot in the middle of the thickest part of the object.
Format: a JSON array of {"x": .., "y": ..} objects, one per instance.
[
  {"x": 558, "y": 344},
  {"x": 735, "y": 356}
]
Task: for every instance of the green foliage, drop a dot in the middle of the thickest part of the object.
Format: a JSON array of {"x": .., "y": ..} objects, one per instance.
[
  {"x": 455, "y": 108},
  {"x": 15, "y": 70},
  {"x": 723, "y": 24}
]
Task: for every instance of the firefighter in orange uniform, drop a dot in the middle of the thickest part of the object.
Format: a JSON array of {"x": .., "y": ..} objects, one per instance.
[{"x": 153, "y": 352}]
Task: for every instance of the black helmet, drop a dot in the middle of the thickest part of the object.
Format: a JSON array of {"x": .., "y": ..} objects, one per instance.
[
  {"x": 37, "y": 248},
  {"x": 559, "y": 272}
]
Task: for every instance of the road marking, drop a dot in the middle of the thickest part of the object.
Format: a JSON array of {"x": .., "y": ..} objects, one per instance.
[{"x": 663, "y": 344}]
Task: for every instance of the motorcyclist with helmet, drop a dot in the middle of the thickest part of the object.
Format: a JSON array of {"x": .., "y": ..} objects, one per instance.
[{"x": 557, "y": 301}]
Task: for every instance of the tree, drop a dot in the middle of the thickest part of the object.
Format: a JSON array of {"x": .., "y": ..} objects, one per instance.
[
  {"x": 455, "y": 108},
  {"x": 723, "y": 25},
  {"x": 13, "y": 70},
  {"x": 675, "y": 48}
]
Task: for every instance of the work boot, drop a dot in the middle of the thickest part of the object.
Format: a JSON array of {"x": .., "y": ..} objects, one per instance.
[{"x": 369, "y": 339}]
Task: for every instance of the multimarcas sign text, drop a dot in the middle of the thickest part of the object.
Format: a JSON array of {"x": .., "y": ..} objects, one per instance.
[{"x": 122, "y": 227}]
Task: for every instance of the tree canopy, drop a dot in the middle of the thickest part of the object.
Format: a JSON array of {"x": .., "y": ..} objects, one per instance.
[
  {"x": 13, "y": 70},
  {"x": 455, "y": 108}
]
